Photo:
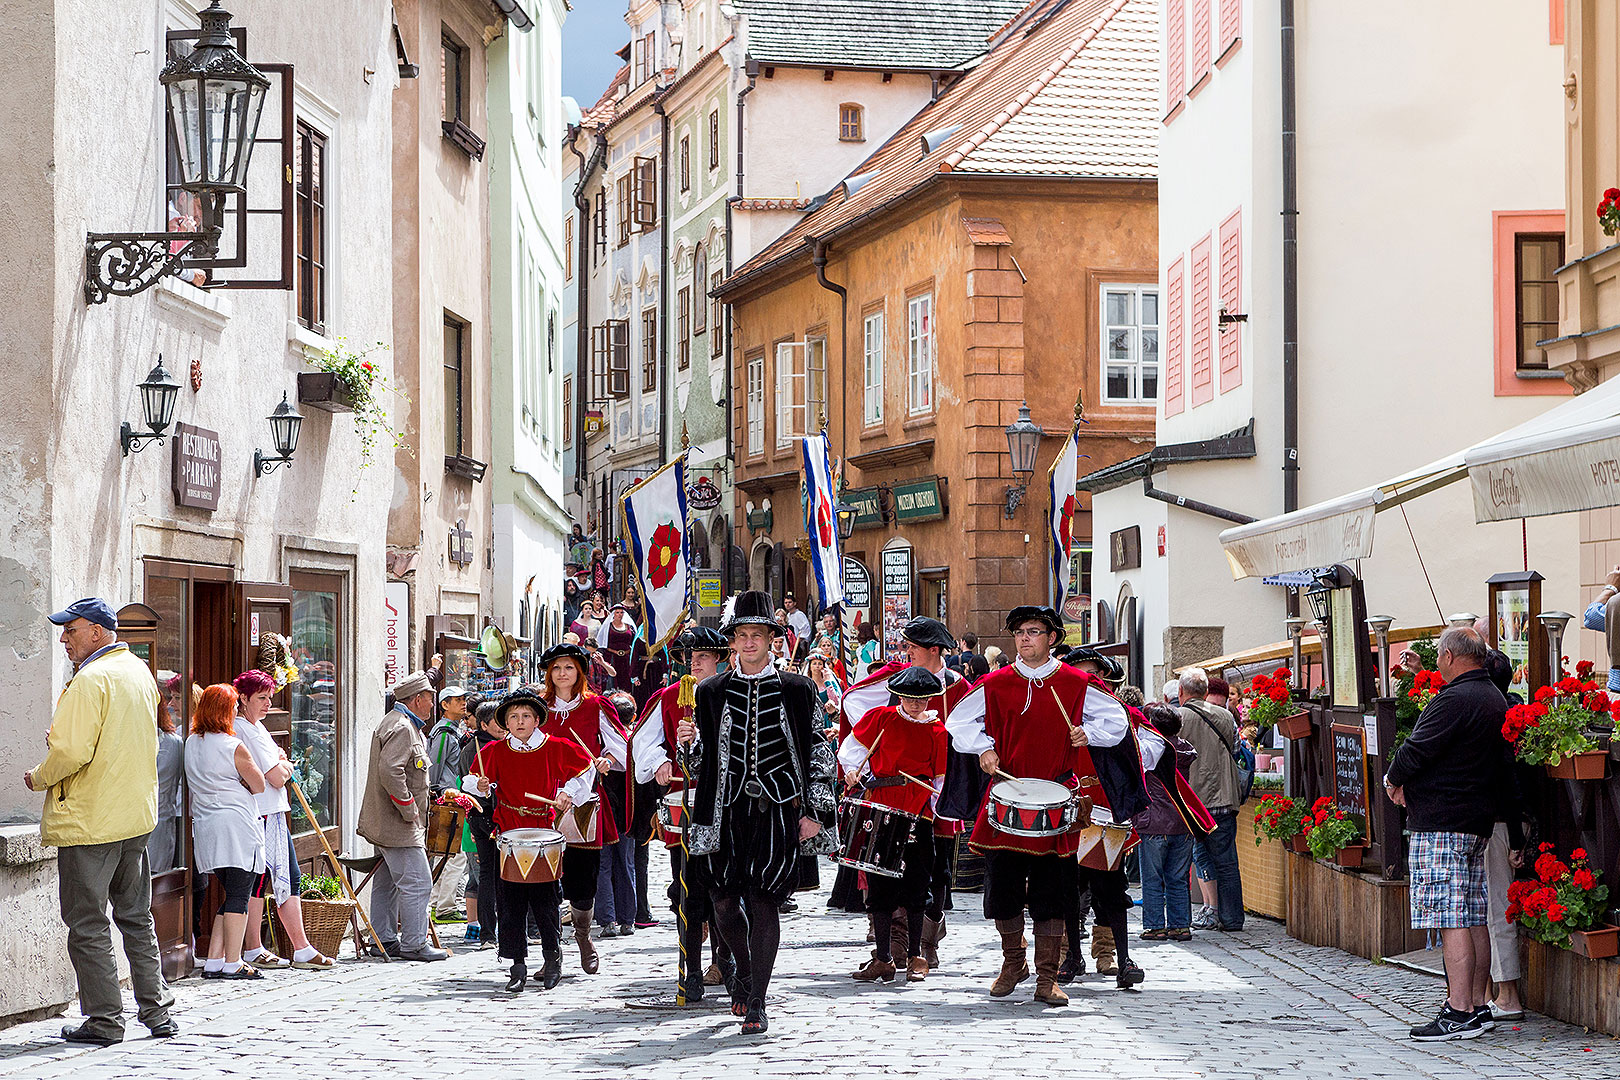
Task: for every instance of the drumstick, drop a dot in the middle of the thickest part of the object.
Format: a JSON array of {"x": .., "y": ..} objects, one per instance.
[
  {"x": 539, "y": 798},
  {"x": 1062, "y": 710},
  {"x": 914, "y": 780},
  {"x": 870, "y": 751},
  {"x": 1005, "y": 776}
]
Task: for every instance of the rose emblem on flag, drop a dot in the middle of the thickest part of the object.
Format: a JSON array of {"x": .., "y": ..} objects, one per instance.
[
  {"x": 824, "y": 525},
  {"x": 664, "y": 554}
]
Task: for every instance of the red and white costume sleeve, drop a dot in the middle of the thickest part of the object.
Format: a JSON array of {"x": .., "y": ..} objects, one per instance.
[{"x": 592, "y": 722}]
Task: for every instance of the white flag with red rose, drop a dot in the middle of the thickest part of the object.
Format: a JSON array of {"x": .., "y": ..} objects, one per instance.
[
  {"x": 821, "y": 520},
  {"x": 1065, "y": 472},
  {"x": 654, "y": 513}
]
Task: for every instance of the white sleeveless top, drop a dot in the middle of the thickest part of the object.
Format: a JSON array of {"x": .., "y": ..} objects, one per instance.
[{"x": 225, "y": 825}]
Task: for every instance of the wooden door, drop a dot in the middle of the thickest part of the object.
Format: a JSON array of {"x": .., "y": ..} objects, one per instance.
[{"x": 260, "y": 609}]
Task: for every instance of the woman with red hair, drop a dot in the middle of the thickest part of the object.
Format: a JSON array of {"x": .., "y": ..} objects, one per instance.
[
  {"x": 227, "y": 838},
  {"x": 256, "y": 690},
  {"x": 576, "y": 714}
]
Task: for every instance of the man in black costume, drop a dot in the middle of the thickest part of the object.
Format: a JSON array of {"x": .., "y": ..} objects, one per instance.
[{"x": 763, "y": 787}]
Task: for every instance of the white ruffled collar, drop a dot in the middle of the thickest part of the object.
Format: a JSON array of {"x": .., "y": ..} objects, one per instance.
[{"x": 1046, "y": 669}]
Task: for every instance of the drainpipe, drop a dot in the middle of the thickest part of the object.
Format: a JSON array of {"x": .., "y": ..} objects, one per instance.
[
  {"x": 1290, "y": 297},
  {"x": 663, "y": 279},
  {"x": 751, "y": 69},
  {"x": 819, "y": 259},
  {"x": 582, "y": 309},
  {"x": 1196, "y": 506}
]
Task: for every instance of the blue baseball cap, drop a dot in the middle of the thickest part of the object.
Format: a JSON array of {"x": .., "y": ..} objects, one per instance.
[{"x": 93, "y": 608}]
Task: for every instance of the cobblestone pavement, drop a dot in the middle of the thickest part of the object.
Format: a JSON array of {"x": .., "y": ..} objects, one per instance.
[{"x": 1254, "y": 1004}]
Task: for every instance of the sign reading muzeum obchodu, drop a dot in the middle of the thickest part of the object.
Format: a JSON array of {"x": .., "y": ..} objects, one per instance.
[{"x": 196, "y": 467}]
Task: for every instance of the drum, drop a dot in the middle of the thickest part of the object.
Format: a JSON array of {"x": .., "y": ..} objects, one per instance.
[
  {"x": 1032, "y": 808},
  {"x": 530, "y": 855},
  {"x": 443, "y": 829},
  {"x": 671, "y": 813},
  {"x": 873, "y": 837},
  {"x": 578, "y": 825},
  {"x": 1103, "y": 843}
]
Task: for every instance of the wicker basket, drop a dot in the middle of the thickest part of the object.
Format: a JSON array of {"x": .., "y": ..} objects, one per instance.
[{"x": 325, "y": 923}]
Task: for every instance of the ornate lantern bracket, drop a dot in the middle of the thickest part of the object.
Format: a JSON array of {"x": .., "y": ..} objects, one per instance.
[{"x": 124, "y": 264}]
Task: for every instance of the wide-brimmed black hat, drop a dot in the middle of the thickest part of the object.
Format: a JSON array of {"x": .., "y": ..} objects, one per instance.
[
  {"x": 565, "y": 651},
  {"x": 1023, "y": 613},
  {"x": 523, "y": 695},
  {"x": 1111, "y": 671},
  {"x": 701, "y": 639},
  {"x": 915, "y": 682},
  {"x": 751, "y": 608},
  {"x": 928, "y": 633}
]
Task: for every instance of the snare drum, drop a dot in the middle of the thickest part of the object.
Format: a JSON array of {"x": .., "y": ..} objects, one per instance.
[
  {"x": 1032, "y": 808},
  {"x": 578, "y": 825},
  {"x": 1103, "y": 843},
  {"x": 530, "y": 855},
  {"x": 671, "y": 814},
  {"x": 873, "y": 837}
]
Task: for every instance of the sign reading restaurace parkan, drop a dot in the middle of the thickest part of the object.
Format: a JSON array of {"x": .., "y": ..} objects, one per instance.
[{"x": 196, "y": 467}]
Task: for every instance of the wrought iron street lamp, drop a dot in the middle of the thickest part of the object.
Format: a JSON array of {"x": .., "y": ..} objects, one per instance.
[
  {"x": 1023, "y": 444},
  {"x": 214, "y": 101},
  {"x": 285, "y": 423},
  {"x": 158, "y": 393}
]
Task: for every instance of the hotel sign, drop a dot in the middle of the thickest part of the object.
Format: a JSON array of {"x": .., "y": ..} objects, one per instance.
[{"x": 196, "y": 467}]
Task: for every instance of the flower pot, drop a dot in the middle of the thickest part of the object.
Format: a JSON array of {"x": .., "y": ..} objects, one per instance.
[
  {"x": 1297, "y": 726},
  {"x": 322, "y": 390},
  {"x": 1262, "y": 762},
  {"x": 1298, "y": 846},
  {"x": 1587, "y": 766},
  {"x": 1350, "y": 856},
  {"x": 1596, "y": 944}
]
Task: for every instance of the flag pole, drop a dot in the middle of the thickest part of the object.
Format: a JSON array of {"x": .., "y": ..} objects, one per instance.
[{"x": 1053, "y": 599}]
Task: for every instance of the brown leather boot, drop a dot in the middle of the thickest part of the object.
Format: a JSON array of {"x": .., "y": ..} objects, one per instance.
[
  {"x": 582, "y": 936},
  {"x": 1048, "y": 955},
  {"x": 932, "y": 932},
  {"x": 900, "y": 930},
  {"x": 874, "y": 970},
  {"x": 916, "y": 969},
  {"x": 1014, "y": 966},
  {"x": 1102, "y": 949}
]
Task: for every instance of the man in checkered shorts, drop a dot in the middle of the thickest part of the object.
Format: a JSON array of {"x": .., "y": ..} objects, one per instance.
[{"x": 1450, "y": 775}]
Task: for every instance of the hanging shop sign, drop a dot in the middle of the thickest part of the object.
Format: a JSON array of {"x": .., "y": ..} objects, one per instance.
[
  {"x": 868, "y": 504},
  {"x": 919, "y": 500},
  {"x": 396, "y": 631},
  {"x": 703, "y": 495},
  {"x": 196, "y": 467},
  {"x": 857, "y": 584},
  {"x": 708, "y": 589},
  {"x": 461, "y": 552},
  {"x": 594, "y": 422}
]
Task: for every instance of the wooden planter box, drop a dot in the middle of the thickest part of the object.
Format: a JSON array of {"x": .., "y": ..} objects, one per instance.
[
  {"x": 1349, "y": 857},
  {"x": 1587, "y": 766},
  {"x": 1297, "y": 726},
  {"x": 1364, "y": 914},
  {"x": 1264, "y": 868},
  {"x": 1597, "y": 944},
  {"x": 1567, "y": 986},
  {"x": 321, "y": 390}
]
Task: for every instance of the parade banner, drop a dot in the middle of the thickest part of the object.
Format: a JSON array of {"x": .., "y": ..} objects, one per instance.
[
  {"x": 821, "y": 519},
  {"x": 1060, "y": 522},
  {"x": 654, "y": 525}
]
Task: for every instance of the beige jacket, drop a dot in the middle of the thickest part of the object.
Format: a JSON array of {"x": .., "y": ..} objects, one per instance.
[
  {"x": 100, "y": 770},
  {"x": 1214, "y": 776},
  {"x": 393, "y": 810}
]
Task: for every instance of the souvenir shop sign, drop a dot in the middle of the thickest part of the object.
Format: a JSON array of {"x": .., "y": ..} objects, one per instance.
[
  {"x": 196, "y": 467},
  {"x": 868, "y": 504},
  {"x": 919, "y": 500},
  {"x": 857, "y": 584}
]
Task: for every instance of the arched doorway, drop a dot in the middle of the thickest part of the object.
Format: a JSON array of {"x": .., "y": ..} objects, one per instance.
[
  {"x": 759, "y": 566},
  {"x": 697, "y": 546}
]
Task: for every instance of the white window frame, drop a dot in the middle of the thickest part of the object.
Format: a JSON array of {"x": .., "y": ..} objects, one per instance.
[
  {"x": 872, "y": 369},
  {"x": 921, "y": 332},
  {"x": 755, "y": 407},
  {"x": 790, "y": 391},
  {"x": 316, "y": 112},
  {"x": 815, "y": 382},
  {"x": 1137, "y": 367}
]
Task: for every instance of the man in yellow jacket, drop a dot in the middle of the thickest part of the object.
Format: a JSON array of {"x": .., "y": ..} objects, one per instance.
[{"x": 100, "y": 782}]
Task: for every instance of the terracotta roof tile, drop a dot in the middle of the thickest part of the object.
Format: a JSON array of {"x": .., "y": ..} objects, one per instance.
[{"x": 986, "y": 232}]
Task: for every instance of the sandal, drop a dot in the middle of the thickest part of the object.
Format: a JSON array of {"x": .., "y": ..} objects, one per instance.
[
  {"x": 268, "y": 961},
  {"x": 1183, "y": 934},
  {"x": 246, "y": 971},
  {"x": 318, "y": 962},
  {"x": 1155, "y": 935}
]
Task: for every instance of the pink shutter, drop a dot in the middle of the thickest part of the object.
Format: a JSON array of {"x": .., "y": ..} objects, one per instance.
[
  {"x": 1202, "y": 386},
  {"x": 1231, "y": 347},
  {"x": 1231, "y": 22},
  {"x": 1175, "y": 52},
  {"x": 1201, "y": 29},
  {"x": 1173, "y": 341}
]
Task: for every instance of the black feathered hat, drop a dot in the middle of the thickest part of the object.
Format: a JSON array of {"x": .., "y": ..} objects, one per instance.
[
  {"x": 565, "y": 651},
  {"x": 523, "y": 695},
  {"x": 751, "y": 608},
  {"x": 701, "y": 639}
]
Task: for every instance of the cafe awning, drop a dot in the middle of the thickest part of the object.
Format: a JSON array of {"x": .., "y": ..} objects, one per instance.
[{"x": 1567, "y": 458}]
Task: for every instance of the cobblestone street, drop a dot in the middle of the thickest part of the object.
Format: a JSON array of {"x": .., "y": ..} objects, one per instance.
[{"x": 1255, "y": 1004}]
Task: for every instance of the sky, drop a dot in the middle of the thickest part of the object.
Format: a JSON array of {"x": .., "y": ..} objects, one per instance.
[{"x": 591, "y": 34}]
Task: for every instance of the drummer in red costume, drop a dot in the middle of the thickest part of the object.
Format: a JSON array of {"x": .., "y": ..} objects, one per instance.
[
  {"x": 925, "y": 641},
  {"x": 705, "y": 649},
  {"x": 897, "y": 756},
  {"x": 1035, "y": 719},
  {"x": 576, "y": 714},
  {"x": 522, "y": 772}
]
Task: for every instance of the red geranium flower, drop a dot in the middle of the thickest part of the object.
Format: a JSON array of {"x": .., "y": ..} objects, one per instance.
[{"x": 1585, "y": 881}]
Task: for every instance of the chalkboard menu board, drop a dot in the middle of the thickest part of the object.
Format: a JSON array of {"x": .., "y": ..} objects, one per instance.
[{"x": 1350, "y": 771}]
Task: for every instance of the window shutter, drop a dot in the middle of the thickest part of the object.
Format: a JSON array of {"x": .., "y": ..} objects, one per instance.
[
  {"x": 623, "y": 193},
  {"x": 716, "y": 338},
  {"x": 1232, "y": 299},
  {"x": 645, "y": 193},
  {"x": 1201, "y": 379},
  {"x": 1232, "y": 21},
  {"x": 1174, "y": 343},
  {"x": 619, "y": 358},
  {"x": 1201, "y": 30},
  {"x": 600, "y": 346},
  {"x": 599, "y": 223},
  {"x": 1175, "y": 52},
  {"x": 714, "y": 139}
]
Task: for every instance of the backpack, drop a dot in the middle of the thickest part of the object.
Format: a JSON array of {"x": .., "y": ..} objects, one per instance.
[{"x": 1242, "y": 757}]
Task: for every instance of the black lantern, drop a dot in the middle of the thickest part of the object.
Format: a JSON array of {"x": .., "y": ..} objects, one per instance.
[
  {"x": 1319, "y": 596},
  {"x": 1023, "y": 444},
  {"x": 846, "y": 519},
  {"x": 158, "y": 393},
  {"x": 285, "y": 423},
  {"x": 214, "y": 101}
]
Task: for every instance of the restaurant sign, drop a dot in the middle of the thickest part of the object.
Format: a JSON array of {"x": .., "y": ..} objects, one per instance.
[
  {"x": 196, "y": 467},
  {"x": 919, "y": 500},
  {"x": 1568, "y": 470},
  {"x": 868, "y": 504}
]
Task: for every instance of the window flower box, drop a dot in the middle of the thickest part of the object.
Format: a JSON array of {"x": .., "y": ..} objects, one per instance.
[
  {"x": 1297, "y": 726},
  {"x": 1599, "y": 944},
  {"x": 324, "y": 390},
  {"x": 1586, "y": 766}
]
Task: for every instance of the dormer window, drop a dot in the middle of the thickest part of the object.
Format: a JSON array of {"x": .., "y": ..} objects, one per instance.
[{"x": 851, "y": 127}]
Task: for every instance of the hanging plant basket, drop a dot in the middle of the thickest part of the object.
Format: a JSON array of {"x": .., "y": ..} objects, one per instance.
[
  {"x": 1297, "y": 726},
  {"x": 1596, "y": 944},
  {"x": 323, "y": 390},
  {"x": 1587, "y": 766}
]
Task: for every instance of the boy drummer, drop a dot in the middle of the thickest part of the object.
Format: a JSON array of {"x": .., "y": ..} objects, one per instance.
[
  {"x": 533, "y": 777},
  {"x": 901, "y": 753}
]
